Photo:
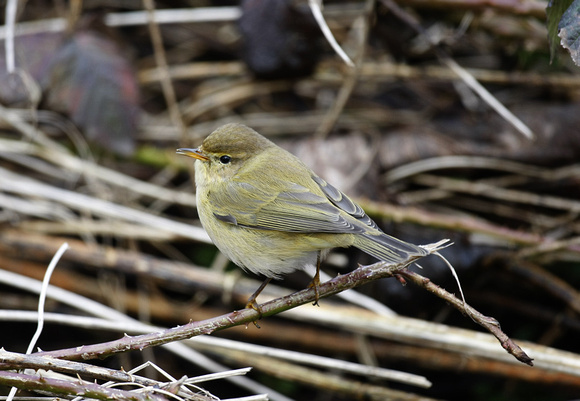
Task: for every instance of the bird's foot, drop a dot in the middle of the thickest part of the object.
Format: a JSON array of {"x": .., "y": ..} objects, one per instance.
[
  {"x": 314, "y": 284},
  {"x": 252, "y": 304},
  {"x": 316, "y": 281}
]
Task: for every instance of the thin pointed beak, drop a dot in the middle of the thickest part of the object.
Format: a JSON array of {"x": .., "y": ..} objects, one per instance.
[{"x": 195, "y": 153}]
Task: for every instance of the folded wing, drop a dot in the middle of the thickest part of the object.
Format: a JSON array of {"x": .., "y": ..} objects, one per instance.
[{"x": 292, "y": 208}]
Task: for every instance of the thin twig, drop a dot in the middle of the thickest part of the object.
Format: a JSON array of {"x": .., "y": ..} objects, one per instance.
[
  {"x": 11, "y": 8},
  {"x": 486, "y": 96},
  {"x": 489, "y": 323},
  {"x": 316, "y": 8},
  {"x": 161, "y": 61},
  {"x": 352, "y": 76},
  {"x": 41, "y": 303},
  {"x": 42, "y": 297}
]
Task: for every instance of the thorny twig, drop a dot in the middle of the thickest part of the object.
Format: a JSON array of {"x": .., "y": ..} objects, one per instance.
[{"x": 356, "y": 278}]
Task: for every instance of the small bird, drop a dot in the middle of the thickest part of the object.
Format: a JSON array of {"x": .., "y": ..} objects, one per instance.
[{"x": 271, "y": 214}]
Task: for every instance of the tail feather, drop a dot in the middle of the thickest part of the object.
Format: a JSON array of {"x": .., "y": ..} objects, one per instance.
[{"x": 387, "y": 248}]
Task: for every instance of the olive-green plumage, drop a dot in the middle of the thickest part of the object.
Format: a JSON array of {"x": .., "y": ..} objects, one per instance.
[{"x": 270, "y": 214}]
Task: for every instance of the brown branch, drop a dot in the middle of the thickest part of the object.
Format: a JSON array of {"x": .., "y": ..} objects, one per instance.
[
  {"x": 488, "y": 323},
  {"x": 358, "y": 277}
]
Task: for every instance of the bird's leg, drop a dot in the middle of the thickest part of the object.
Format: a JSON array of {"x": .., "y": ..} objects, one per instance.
[
  {"x": 316, "y": 280},
  {"x": 252, "y": 304}
]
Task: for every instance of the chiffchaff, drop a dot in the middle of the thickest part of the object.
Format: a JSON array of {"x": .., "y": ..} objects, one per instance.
[{"x": 271, "y": 214}]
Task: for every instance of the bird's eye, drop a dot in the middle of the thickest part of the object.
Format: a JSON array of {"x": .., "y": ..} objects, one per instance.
[{"x": 225, "y": 159}]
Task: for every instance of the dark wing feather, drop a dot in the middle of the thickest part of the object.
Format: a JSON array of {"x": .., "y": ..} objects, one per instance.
[
  {"x": 343, "y": 202},
  {"x": 378, "y": 244}
]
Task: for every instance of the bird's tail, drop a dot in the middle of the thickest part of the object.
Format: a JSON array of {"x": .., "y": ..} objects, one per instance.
[{"x": 387, "y": 248}]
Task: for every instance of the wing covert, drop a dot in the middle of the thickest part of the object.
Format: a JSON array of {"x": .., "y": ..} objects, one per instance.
[
  {"x": 293, "y": 208},
  {"x": 344, "y": 203}
]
